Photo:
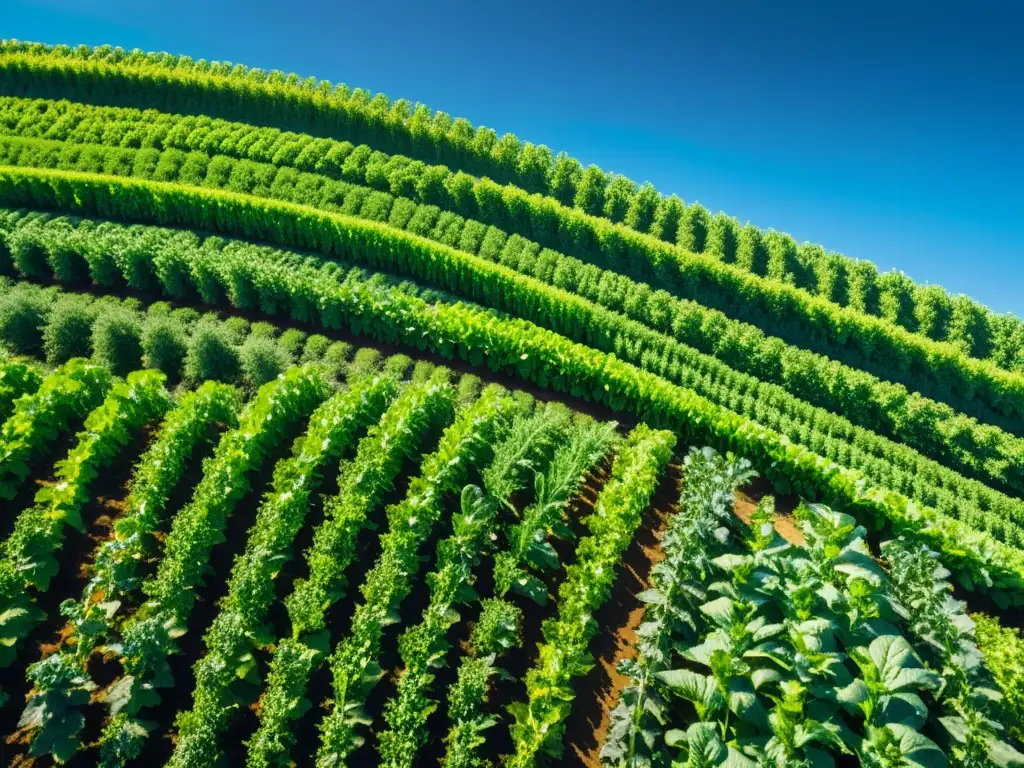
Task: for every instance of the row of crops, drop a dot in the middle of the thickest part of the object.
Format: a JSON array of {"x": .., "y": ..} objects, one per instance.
[
  {"x": 331, "y": 432},
  {"x": 507, "y": 445},
  {"x": 751, "y": 650},
  {"x": 173, "y": 84}
]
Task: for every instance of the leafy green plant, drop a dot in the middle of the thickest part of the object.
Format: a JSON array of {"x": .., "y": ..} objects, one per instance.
[
  {"x": 17, "y": 378},
  {"x": 793, "y": 655},
  {"x": 23, "y": 321},
  {"x": 693, "y": 538},
  {"x": 52, "y": 711},
  {"x": 65, "y": 395},
  {"x": 396, "y": 128},
  {"x": 30, "y": 561},
  {"x": 539, "y": 721},
  {"x": 211, "y": 356},
  {"x": 68, "y": 331},
  {"x": 529, "y": 549},
  {"x": 520, "y": 455},
  {"x": 164, "y": 346},
  {"x": 117, "y": 340},
  {"x": 496, "y": 631},
  {"x": 945, "y": 636},
  {"x": 1003, "y": 650},
  {"x": 261, "y": 360},
  {"x": 115, "y": 580}
]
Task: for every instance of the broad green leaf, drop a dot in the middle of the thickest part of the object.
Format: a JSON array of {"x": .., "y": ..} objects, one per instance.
[
  {"x": 904, "y": 708},
  {"x": 918, "y": 751},
  {"x": 699, "y": 689}
]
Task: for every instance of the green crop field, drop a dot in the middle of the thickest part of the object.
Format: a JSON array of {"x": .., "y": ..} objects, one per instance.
[{"x": 335, "y": 431}]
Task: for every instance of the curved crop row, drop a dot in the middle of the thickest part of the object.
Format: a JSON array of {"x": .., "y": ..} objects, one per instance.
[
  {"x": 195, "y": 529},
  {"x": 927, "y": 310},
  {"x": 362, "y": 484},
  {"x": 497, "y": 630},
  {"x": 17, "y": 378},
  {"x": 520, "y": 348},
  {"x": 185, "y": 345},
  {"x": 29, "y": 555},
  {"x": 147, "y": 638},
  {"x": 528, "y": 550},
  {"x": 931, "y": 427},
  {"x": 424, "y": 645},
  {"x": 886, "y": 464},
  {"x": 971, "y": 714},
  {"x": 179, "y": 84},
  {"x": 68, "y": 393},
  {"x": 51, "y": 724},
  {"x": 564, "y": 653},
  {"x": 268, "y": 545},
  {"x": 938, "y": 370},
  {"x": 979, "y": 450}
]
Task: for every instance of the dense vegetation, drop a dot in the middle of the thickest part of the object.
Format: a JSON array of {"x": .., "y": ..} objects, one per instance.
[{"x": 338, "y": 432}]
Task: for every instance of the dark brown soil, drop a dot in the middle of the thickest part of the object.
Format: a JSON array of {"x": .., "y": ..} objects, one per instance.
[
  {"x": 619, "y": 617},
  {"x": 746, "y": 502}
]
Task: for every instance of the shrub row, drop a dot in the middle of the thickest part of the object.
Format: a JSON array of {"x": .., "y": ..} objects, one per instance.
[
  {"x": 565, "y": 654},
  {"x": 179, "y": 84},
  {"x": 939, "y": 370},
  {"x": 355, "y": 663},
  {"x": 112, "y": 590},
  {"x": 147, "y": 638},
  {"x": 527, "y": 547},
  {"x": 523, "y": 452},
  {"x": 362, "y": 484},
  {"x": 886, "y": 464},
  {"x": 186, "y": 346},
  {"x": 517, "y": 347}
]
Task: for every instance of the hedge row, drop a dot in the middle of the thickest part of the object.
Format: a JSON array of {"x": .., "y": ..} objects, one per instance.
[
  {"x": 519, "y": 348},
  {"x": 937, "y": 370},
  {"x": 886, "y": 464},
  {"x": 179, "y": 84}
]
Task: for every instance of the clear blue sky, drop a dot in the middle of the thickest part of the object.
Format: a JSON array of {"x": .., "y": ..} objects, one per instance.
[{"x": 889, "y": 131}]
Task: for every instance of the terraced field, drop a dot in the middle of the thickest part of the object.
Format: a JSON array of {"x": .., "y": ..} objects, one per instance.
[{"x": 335, "y": 431}]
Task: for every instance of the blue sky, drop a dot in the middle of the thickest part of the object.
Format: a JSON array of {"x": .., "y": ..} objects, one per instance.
[{"x": 888, "y": 131}]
